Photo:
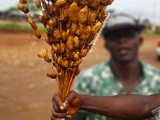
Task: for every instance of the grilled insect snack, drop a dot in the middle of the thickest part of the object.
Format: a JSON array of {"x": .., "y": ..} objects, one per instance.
[{"x": 71, "y": 26}]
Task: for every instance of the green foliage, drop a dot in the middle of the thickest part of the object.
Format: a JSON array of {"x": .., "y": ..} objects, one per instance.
[
  {"x": 8, "y": 26},
  {"x": 148, "y": 32},
  {"x": 110, "y": 11},
  {"x": 13, "y": 8},
  {"x": 152, "y": 32},
  {"x": 157, "y": 31},
  {"x": 19, "y": 27},
  {"x": 32, "y": 6}
]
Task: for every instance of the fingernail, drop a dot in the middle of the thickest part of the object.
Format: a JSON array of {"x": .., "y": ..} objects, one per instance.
[
  {"x": 64, "y": 105},
  {"x": 61, "y": 107}
]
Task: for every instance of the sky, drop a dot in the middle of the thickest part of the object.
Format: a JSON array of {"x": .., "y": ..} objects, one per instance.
[{"x": 139, "y": 8}]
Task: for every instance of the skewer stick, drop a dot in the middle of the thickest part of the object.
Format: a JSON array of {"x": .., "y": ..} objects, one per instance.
[{"x": 99, "y": 33}]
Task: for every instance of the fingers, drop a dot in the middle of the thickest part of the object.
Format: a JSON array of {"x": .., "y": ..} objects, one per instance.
[
  {"x": 76, "y": 102},
  {"x": 73, "y": 99},
  {"x": 58, "y": 115},
  {"x": 55, "y": 107},
  {"x": 57, "y": 100},
  {"x": 53, "y": 118},
  {"x": 71, "y": 96},
  {"x": 70, "y": 106}
]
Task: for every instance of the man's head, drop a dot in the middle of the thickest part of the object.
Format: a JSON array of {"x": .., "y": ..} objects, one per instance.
[{"x": 122, "y": 38}]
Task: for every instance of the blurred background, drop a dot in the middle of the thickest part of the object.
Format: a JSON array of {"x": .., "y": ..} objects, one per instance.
[{"x": 25, "y": 91}]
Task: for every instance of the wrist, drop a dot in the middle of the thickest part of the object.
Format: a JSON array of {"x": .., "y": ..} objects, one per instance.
[
  {"x": 87, "y": 102},
  {"x": 83, "y": 101}
]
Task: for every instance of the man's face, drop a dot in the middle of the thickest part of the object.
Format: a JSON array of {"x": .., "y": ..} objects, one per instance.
[{"x": 123, "y": 45}]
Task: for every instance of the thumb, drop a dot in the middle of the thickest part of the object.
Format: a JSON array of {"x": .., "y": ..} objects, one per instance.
[
  {"x": 72, "y": 99},
  {"x": 76, "y": 102}
]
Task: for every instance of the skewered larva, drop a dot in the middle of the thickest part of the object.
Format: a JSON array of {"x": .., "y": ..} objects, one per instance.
[
  {"x": 76, "y": 57},
  {"x": 73, "y": 11},
  {"x": 70, "y": 41},
  {"x": 71, "y": 63},
  {"x": 92, "y": 16},
  {"x": 38, "y": 3},
  {"x": 81, "y": 28},
  {"x": 23, "y": 1},
  {"x": 65, "y": 62},
  {"x": 53, "y": 55},
  {"x": 42, "y": 20},
  {"x": 52, "y": 22},
  {"x": 76, "y": 41},
  {"x": 106, "y": 2},
  {"x": 64, "y": 36},
  {"x": 83, "y": 52},
  {"x": 59, "y": 60},
  {"x": 37, "y": 34},
  {"x": 71, "y": 26},
  {"x": 57, "y": 34},
  {"x": 58, "y": 48},
  {"x": 85, "y": 33},
  {"x": 44, "y": 54},
  {"x": 45, "y": 15},
  {"x": 23, "y": 7},
  {"x": 51, "y": 75},
  {"x": 48, "y": 28},
  {"x": 95, "y": 3},
  {"x": 82, "y": 15},
  {"x": 76, "y": 63},
  {"x": 74, "y": 28},
  {"x": 32, "y": 23},
  {"x": 60, "y": 2},
  {"x": 62, "y": 47},
  {"x": 96, "y": 27},
  {"x": 55, "y": 49},
  {"x": 44, "y": 4}
]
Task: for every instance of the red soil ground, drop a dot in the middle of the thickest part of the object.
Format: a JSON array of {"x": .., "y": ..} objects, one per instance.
[{"x": 25, "y": 91}]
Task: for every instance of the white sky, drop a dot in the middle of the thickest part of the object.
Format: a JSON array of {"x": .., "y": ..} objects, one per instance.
[{"x": 139, "y": 8}]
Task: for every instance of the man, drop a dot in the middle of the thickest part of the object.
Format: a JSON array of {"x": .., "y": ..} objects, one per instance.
[{"x": 123, "y": 73}]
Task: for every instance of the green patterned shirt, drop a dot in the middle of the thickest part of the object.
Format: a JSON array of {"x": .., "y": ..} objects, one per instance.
[{"x": 100, "y": 81}]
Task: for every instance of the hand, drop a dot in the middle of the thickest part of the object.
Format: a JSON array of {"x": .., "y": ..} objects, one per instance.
[{"x": 70, "y": 105}]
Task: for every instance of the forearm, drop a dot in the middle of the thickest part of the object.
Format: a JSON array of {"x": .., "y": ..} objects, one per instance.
[{"x": 121, "y": 106}]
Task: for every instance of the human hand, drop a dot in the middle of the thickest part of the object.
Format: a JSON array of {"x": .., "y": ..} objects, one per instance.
[{"x": 70, "y": 105}]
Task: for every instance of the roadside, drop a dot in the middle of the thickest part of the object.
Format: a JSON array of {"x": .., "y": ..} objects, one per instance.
[{"x": 25, "y": 90}]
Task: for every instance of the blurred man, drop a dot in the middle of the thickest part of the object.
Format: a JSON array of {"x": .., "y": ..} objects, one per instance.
[{"x": 124, "y": 73}]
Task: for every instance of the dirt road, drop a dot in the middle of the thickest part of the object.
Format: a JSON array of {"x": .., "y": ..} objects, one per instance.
[{"x": 25, "y": 91}]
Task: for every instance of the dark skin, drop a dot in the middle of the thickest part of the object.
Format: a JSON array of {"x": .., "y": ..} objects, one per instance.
[
  {"x": 123, "y": 46},
  {"x": 138, "y": 107}
]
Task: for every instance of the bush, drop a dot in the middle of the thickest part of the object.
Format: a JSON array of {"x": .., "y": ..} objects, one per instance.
[
  {"x": 157, "y": 31},
  {"x": 15, "y": 26}
]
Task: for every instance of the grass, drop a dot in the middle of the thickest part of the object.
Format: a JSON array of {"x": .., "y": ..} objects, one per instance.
[{"x": 17, "y": 26}]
